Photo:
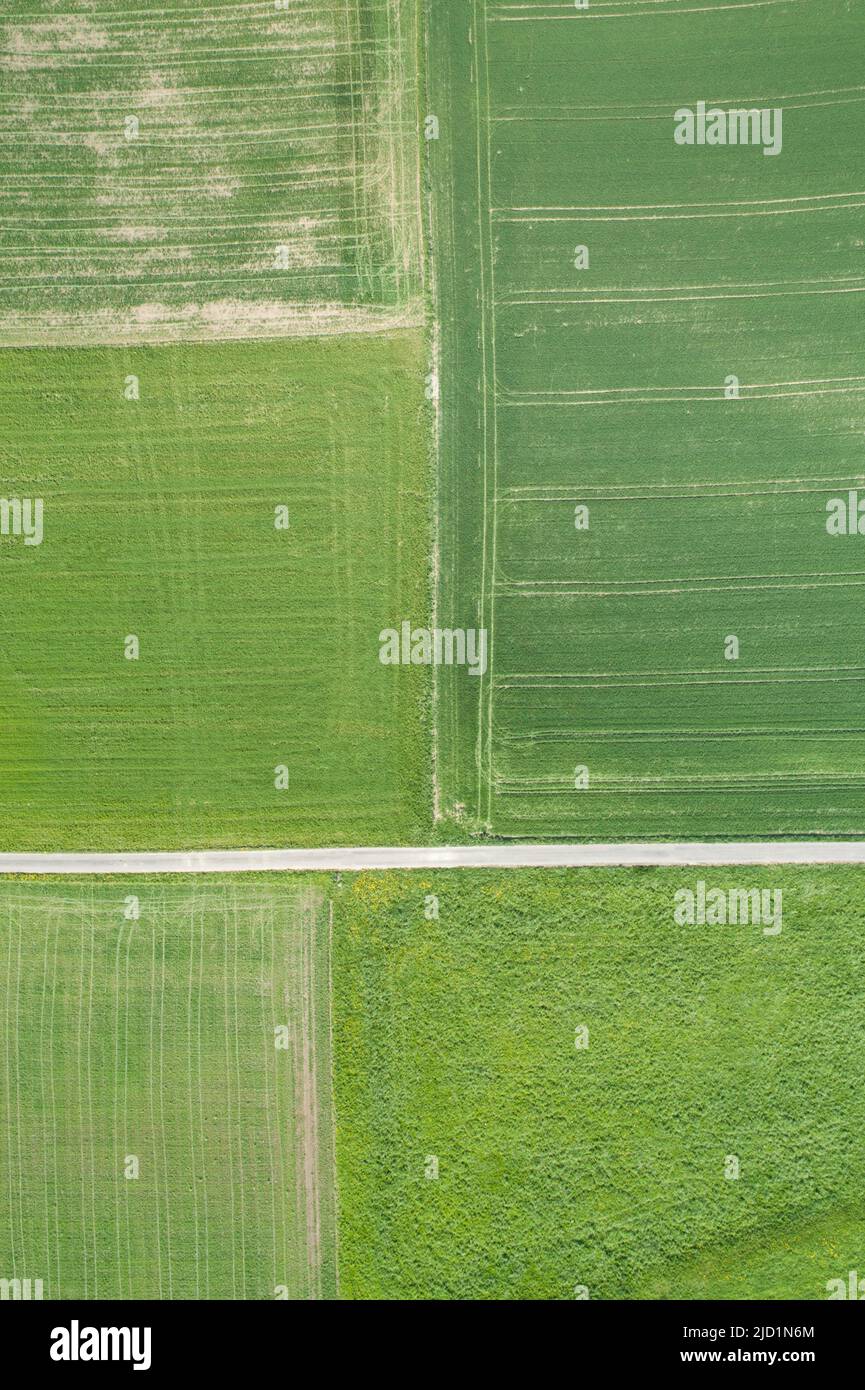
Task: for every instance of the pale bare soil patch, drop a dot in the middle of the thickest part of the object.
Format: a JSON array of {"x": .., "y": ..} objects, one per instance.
[{"x": 220, "y": 320}]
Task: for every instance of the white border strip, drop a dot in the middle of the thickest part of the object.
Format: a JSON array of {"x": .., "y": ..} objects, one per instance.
[{"x": 442, "y": 857}]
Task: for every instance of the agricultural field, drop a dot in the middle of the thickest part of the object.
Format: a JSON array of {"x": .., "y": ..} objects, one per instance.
[
  {"x": 480, "y": 1153},
  {"x": 553, "y": 1089},
  {"x": 208, "y": 172},
  {"x": 156, "y": 1141},
  {"x": 320, "y": 323},
  {"x": 253, "y": 514},
  {"x": 653, "y": 405},
  {"x": 250, "y": 515}
]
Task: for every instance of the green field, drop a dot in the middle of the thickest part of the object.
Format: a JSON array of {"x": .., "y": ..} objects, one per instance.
[
  {"x": 604, "y": 1166},
  {"x": 604, "y": 387},
  {"x": 318, "y": 320},
  {"x": 560, "y": 1169},
  {"x": 258, "y": 647},
  {"x": 269, "y": 187},
  {"x": 163, "y": 462},
  {"x": 154, "y": 1039}
]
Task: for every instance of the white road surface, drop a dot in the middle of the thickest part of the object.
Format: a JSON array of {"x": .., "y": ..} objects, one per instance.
[{"x": 506, "y": 856}]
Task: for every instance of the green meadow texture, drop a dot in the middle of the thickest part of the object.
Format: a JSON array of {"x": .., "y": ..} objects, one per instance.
[
  {"x": 156, "y": 1142},
  {"x": 258, "y": 646},
  {"x": 597, "y": 1171},
  {"x": 652, "y": 374}
]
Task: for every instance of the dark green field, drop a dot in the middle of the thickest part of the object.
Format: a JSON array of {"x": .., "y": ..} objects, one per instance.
[{"x": 596, "y": 380}]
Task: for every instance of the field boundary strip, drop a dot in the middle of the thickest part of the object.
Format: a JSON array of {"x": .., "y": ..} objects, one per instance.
[{"x": 499, "y": 856}]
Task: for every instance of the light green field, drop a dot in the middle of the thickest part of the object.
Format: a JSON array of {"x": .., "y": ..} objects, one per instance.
[
  {"x": 604, "y": 387},
  {"x": 154, "y": 1039},
  {"x": 258, "y": 647},
  {"x": 269, "y": 187},
  {"x": 604, "y": 1166}
]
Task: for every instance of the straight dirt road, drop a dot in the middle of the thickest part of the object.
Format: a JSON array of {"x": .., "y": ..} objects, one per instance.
[{"x": 441, "y": 857}]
